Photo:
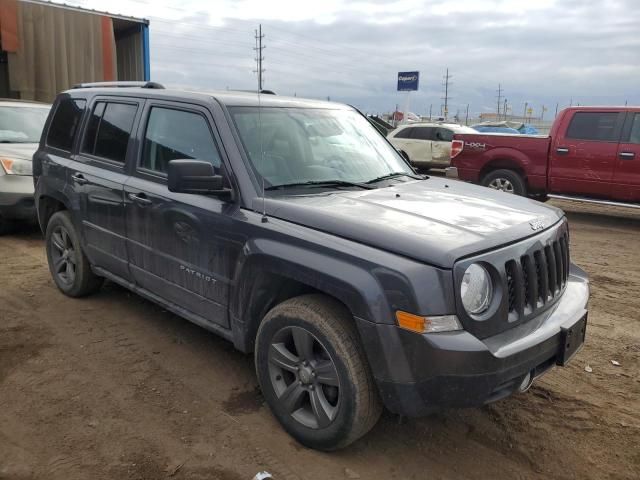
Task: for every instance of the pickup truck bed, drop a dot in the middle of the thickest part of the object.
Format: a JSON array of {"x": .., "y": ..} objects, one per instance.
[{"x": 484, "y": 152}]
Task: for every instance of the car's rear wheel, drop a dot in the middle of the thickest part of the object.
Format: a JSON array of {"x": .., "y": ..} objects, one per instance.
[
  {"x": 5, "y": 226},
  {"x": 68, "y": 264},
  {"x": 505, "y": 180},
  {"x": 313, "y": 372}
]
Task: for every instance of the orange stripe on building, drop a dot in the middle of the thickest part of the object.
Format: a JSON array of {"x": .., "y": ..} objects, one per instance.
[
  {"x": 107, "y": 50},
  {"x": 9, "y": 25}
]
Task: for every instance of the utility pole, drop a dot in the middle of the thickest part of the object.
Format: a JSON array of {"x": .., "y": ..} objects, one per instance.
[
  {"x": 524, "y": 115},
  {"x": 430, "y": 108},
  {"x": 505, "y": 109},
  {"x": 446, "y": 98},
  {"x": 557, "y": 105},
  {"x": 466, "y": 116},
  {"x": 259, "y": 58},
  {"x": 499, "y": 100}
]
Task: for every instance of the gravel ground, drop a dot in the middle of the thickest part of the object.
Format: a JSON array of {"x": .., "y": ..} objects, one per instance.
[{"x": 112, "y": 386}]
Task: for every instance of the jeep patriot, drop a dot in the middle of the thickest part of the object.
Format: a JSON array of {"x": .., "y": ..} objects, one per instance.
[{"x": 293, "y": 229}]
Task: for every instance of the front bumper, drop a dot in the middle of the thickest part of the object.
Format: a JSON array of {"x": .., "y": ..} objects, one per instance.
[
  {"x": 418, "y": 374},
  {"x": 16, "y": 197}
]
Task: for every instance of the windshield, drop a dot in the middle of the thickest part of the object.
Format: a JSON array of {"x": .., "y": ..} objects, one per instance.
[
  {"x": 22, "y": 124},
  {"x": 306, "y": 145}
]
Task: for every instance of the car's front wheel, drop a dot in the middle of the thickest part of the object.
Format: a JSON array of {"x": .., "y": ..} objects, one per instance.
[
  {"x": 313, "y": 372},
  {"x": 68, "y": 264}
]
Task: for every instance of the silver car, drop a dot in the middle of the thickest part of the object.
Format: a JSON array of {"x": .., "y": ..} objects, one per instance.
[{"x": 21, "y": 124}]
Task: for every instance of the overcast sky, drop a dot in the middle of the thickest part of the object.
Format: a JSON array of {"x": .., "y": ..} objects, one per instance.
[{"x": 542, "y": 52}]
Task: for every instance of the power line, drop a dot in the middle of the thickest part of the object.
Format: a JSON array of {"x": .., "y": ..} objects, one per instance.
[
  {"x": 446, "y": 97},
  {"x": 259, "y": 57}
]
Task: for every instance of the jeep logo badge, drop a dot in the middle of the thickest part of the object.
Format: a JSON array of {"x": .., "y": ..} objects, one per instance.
[{"x": 536, "y": 225}]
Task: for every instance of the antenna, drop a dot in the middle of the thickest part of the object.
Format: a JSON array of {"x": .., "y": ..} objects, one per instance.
[{"x": 264, "y": 207}]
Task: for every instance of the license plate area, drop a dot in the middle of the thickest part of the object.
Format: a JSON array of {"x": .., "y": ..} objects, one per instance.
[{"x": 571, "y": 338}]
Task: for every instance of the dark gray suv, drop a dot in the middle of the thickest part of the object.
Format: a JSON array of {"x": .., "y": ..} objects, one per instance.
[{"x": 295, "y": 230}]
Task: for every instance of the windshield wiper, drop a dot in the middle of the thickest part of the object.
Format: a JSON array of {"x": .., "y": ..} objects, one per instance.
[
  {"x": 394, "y": 175},
  {"x": 321, "y": 183}
]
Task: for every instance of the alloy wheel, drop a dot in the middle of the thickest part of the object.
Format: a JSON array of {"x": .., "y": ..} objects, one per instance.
[
  {"x": 304, "y": 377},
  {"x": 502, "y": 184},
  {"x": 63, "y": 255}
]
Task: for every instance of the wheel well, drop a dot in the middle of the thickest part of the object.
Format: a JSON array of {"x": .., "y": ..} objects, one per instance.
[
  {"x": 47, "y": 206},
  {"x": 502, "y": 164},
  {"x": 267, "y": 290}
]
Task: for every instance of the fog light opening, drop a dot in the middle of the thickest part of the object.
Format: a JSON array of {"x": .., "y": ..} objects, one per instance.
[{"x": 526, "y": 383}]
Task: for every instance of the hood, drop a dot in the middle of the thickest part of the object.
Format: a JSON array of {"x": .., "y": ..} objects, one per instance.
[
  {"x": 437, "y": 221},
  {"x": 19, "y": 151}
]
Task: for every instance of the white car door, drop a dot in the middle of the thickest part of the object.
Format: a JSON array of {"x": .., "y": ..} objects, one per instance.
[
  {"x": 420, "y": 148},
  {"x": 441, "y": 147}
]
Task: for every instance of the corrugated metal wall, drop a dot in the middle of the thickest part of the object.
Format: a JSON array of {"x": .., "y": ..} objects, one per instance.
[{"x": 130, "y": 56}]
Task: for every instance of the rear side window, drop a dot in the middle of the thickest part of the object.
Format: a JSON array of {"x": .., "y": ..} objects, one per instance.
[
  {"x": 423, "y": 133},
  {"x": 634, "y": 136},
  {"x": 594, "y": 126},
  {"x": 404, "y": 133},
  {"x": 444, "y": 135},
  {"x": 175, "y": 135},
  {"x": 109, "y": 130},
  {"x": 65, "y": 122}
]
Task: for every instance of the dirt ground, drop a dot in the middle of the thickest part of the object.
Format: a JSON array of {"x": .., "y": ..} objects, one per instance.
[{"x": 113, "y": 387}]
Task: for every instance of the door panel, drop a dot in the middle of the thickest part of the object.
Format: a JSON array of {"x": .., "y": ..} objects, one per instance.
[
  {"x": 181, "y": 247},
  {"x": 419, "y": 149},
  {"x": 626, "y": 178},
  {"x": 583, "y": 158},
  {"x": 177, "y": 247},
  {"x": 100, "y": 193},
  {"x": 99, "y": 174}
]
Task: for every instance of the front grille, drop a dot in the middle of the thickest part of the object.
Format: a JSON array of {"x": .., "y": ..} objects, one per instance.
[{"x": 537, "y": 278}]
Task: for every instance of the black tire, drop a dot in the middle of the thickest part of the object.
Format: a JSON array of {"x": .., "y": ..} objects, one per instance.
[
  {"x": 68, "y": 264},
  {"x": 5, "y": 226},
  {"x": 505, "y": 180},
  {"x": 349, "y": 409}
]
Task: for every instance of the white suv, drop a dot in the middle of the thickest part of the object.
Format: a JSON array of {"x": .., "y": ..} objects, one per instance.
[{"x": 426, "y": 145}]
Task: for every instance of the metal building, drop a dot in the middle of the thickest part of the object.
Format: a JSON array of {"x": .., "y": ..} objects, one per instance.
[{"x": 47, "y": 47}]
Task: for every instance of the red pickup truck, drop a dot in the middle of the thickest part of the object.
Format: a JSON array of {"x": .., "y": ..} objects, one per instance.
[{"x": 591, "y": 153}]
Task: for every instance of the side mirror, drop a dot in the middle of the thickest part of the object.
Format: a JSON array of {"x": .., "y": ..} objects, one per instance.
[{"x": 195, "y": 176}]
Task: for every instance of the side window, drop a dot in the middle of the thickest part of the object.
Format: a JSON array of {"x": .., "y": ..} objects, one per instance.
[
  {"x": 174, "y": 135},
  {"x": 444, "y": 135},
  {"x": 634, "y": 135},
  {"x": 64, "y": 123},
  {"x": 423, "y": 133},
  {"x": 404, "y": 133},
  {"x": 593, "y": 126},
  {"x": 109, "y": 129}
]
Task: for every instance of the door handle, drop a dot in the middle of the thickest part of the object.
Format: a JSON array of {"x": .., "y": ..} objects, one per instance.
[
  {"x": 140, "y": 198},
  {"x": 562, "y": 150},
  {"x": 79, "y": 179},
  {"x": 627, "y": 155}
]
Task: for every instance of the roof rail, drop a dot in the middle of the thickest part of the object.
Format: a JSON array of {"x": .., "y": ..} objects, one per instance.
[
  {"x": 119, "y": 85},
  {"x": 263, "y": 91}
]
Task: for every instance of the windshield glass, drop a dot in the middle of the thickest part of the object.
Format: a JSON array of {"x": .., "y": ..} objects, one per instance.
[
  {"x": 301, "y": 145},
  {"x": 22, "y": 124}
]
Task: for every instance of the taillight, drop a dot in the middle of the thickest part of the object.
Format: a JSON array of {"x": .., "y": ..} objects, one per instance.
[{"x": 456, "y": 148}]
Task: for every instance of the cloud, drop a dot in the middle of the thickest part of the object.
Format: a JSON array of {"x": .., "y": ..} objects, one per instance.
[{"x": 541, "y": 52}]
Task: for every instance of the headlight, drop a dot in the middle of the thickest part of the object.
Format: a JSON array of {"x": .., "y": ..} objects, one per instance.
[
  {"x": 13, "y": 166},
  {"x": 476, "y": 289}
]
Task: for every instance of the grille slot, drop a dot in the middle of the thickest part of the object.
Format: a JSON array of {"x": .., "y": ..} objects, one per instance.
[{"x": 537, "y": 278}]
